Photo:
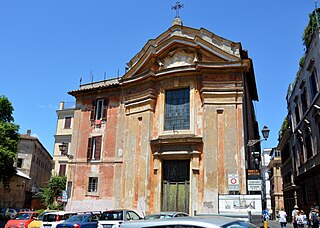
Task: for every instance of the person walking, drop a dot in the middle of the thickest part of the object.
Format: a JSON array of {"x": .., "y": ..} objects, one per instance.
[
  {"x": 299, "y": 219},
  {"x": 294, "y": 216},
  {"x": 283, "y": 218},
  {"x": 314, "y": 218}
]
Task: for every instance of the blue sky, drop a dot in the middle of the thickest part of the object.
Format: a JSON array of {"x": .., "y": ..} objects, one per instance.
[{"x": 46, "y": 46}]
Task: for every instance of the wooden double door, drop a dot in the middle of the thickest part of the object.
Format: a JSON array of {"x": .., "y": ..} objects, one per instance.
[{"x": 175, "y": 185}]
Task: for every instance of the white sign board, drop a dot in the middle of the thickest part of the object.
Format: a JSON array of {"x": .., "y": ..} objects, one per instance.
[
  {"x": 64, "y": 197},
  {"x": 233, "y": 182},
  {"x": 254, "y": 185},
  {"x": 240, "y": 204}
]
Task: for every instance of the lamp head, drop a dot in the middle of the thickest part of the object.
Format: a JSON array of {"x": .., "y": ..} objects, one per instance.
[
  {"x": 62, "y": 147},
  {"x": 265, "y": 132}
]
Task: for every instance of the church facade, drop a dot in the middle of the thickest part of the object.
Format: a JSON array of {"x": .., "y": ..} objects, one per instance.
[{"x": 166, "y": 135}]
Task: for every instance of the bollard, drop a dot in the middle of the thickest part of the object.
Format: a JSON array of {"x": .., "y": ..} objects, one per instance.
[{"x": 265, "y": 224}]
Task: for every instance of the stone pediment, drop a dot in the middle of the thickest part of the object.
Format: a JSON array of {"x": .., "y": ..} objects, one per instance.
[
  {"x": 182, "y": 46},
  {"x": 178, "y": 57}
]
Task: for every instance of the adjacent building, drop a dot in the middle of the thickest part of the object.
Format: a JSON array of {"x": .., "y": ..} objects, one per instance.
[
  {"x": 265, "y": 160},
  {"x": 63, "y": 138},
  {"x": 275, "y": 178},
  {"x": 299, "y": 137},
  {"x": 34, "y": 165},
  {"x": 170, "y": 134}
]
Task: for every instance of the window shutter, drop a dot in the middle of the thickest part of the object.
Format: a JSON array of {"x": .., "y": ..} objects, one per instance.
[
  {"x": 105, "y": 108},
  {"x": 97, "y": 152},
  {"x": 89, "y": 156},
  {"x": 62, "y": 170},
  {"x": 93, "y": 108}
]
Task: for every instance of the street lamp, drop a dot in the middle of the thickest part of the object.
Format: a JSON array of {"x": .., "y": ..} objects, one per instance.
[
  {"x": 265, "y": 133},
  {"x": 62, "y": 148}
]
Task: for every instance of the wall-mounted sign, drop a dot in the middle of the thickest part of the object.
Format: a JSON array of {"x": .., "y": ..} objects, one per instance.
[
  {"x": 233, "y": 182},
  {"x": 253, "y": 173},
  {"x": 254, "y": 185}
]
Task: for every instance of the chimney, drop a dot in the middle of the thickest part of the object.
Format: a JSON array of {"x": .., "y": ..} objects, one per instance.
[
  {"x": 61, "y": 105},
  {"x": 28, "y": 132}
]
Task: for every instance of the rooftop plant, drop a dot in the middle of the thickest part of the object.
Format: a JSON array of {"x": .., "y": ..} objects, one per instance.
[{"x": 311, "y": 27}]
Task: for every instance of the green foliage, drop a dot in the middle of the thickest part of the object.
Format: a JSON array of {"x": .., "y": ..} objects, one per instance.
[
  {"x": 311, "y": 27},
  {"x": 302, "y": 60},
  {"x": 9, "y": 138},
  {"x": 285, "y": 124},
  {"x": 54, "y": 189}
]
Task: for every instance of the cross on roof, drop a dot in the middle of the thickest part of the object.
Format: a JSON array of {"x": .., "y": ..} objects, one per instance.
[{"x": 177, "y": 7}]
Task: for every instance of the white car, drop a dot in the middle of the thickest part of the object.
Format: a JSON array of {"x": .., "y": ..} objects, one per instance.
[
  {"x": 52, "y": 219},
  {"x": 113, "y": 218},
  {"x": 192, "y": 221}
]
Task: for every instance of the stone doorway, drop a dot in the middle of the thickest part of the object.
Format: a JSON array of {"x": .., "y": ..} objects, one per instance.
[{"x": 175, "y": 185}]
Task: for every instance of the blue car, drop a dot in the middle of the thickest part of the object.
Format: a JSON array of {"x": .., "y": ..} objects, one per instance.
[{"x": 87, "y": 220}]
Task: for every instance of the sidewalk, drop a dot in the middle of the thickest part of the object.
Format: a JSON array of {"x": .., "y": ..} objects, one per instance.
[{"x": 276, "y": 224}]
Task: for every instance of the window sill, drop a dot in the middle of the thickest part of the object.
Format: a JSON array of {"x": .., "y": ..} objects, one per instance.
[{"x": 94, "y": 194}]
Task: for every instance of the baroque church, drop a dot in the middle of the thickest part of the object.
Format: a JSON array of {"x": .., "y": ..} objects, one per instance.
[{"x": 167, "y": 135}]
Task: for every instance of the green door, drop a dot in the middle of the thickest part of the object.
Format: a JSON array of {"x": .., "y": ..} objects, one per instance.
[{"x": 175, "y": 185}]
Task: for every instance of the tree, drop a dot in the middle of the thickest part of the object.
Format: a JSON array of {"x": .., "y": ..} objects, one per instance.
[
  {"x": 9, "y": 138},
  {"x": 54, "y": 189}
]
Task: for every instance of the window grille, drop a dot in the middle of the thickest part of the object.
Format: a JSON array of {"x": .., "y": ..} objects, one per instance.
[
  {"x": 93, "y": 184},
  {"x": 177, "y": 109}
]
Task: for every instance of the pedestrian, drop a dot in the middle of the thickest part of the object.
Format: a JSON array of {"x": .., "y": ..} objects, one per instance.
[
  {"x": 266, "y": 214},
  {"x": 314, "y": 218},
  {"x": 299, "y": 219},
  {"x": 283, "y": 218},
  {"x": 294, "y": 216}
]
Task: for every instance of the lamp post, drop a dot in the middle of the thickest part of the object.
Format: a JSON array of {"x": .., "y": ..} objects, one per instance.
[
  {"x": 62, "y": 148},
  {"x": 265, "y": 133}
]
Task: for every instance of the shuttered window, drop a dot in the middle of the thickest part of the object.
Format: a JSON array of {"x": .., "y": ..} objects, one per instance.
[
  {"x": 62, "y": 169},
  {"x": 177, "y": 109},
  {"x": 67, "y": 122},
  {"x": 94, "y": 148},
  {"x": 99, "y": 109}
]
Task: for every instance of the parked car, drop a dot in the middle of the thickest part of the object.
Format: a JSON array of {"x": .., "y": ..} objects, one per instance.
[
  {"x": 113, "y": 218},
  {"x": 166, "y": 214},
  {"x": 86, "y": 220},
  {"x": 38, "y": 221},
  {"x": 190, "y": 221},
  {"x": 52, "y": 219},
  {"x": 22, "y": 219},
  {"x": 11, "y": 212}
]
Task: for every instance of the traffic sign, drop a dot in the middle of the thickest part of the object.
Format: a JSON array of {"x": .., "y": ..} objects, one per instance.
[{"x": 233, "y": 182}]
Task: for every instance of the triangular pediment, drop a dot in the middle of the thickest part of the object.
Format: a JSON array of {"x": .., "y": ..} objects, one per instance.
[{"x": 183, "y": 46}]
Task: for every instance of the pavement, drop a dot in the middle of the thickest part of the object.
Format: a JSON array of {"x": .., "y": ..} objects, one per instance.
[{"x": 276, "y": 224}]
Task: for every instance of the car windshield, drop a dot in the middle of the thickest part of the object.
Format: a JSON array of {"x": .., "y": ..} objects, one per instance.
[
  {"x": 158, "y": 216},
  {"x": 23, "y": 216},
  {"x": 76, "y": 218},
  {"x": 112, "y": 215}
]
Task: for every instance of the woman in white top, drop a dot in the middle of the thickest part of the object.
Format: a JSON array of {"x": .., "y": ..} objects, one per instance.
[{"x": 283, "y": 218}]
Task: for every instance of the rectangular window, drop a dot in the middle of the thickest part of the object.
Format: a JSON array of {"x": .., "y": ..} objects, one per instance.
[
  {"x": 177, "y": 109},
  {"x": 304, "y": 102},
  {"x": 99, "y": 109},
  {"x": 62, "y": 169},
  {"x": 94, "y": 148},
  {"x": 67, "y": 122},
  {"x": 313, "y": 85},
  {"x": 19, "y": 163},
  {"x": 297, "y": 114},
  {"x": 93, "y": 184}
]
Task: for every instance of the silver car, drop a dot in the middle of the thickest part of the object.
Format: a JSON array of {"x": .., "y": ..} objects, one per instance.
[{"x": 191, "y": 222}]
